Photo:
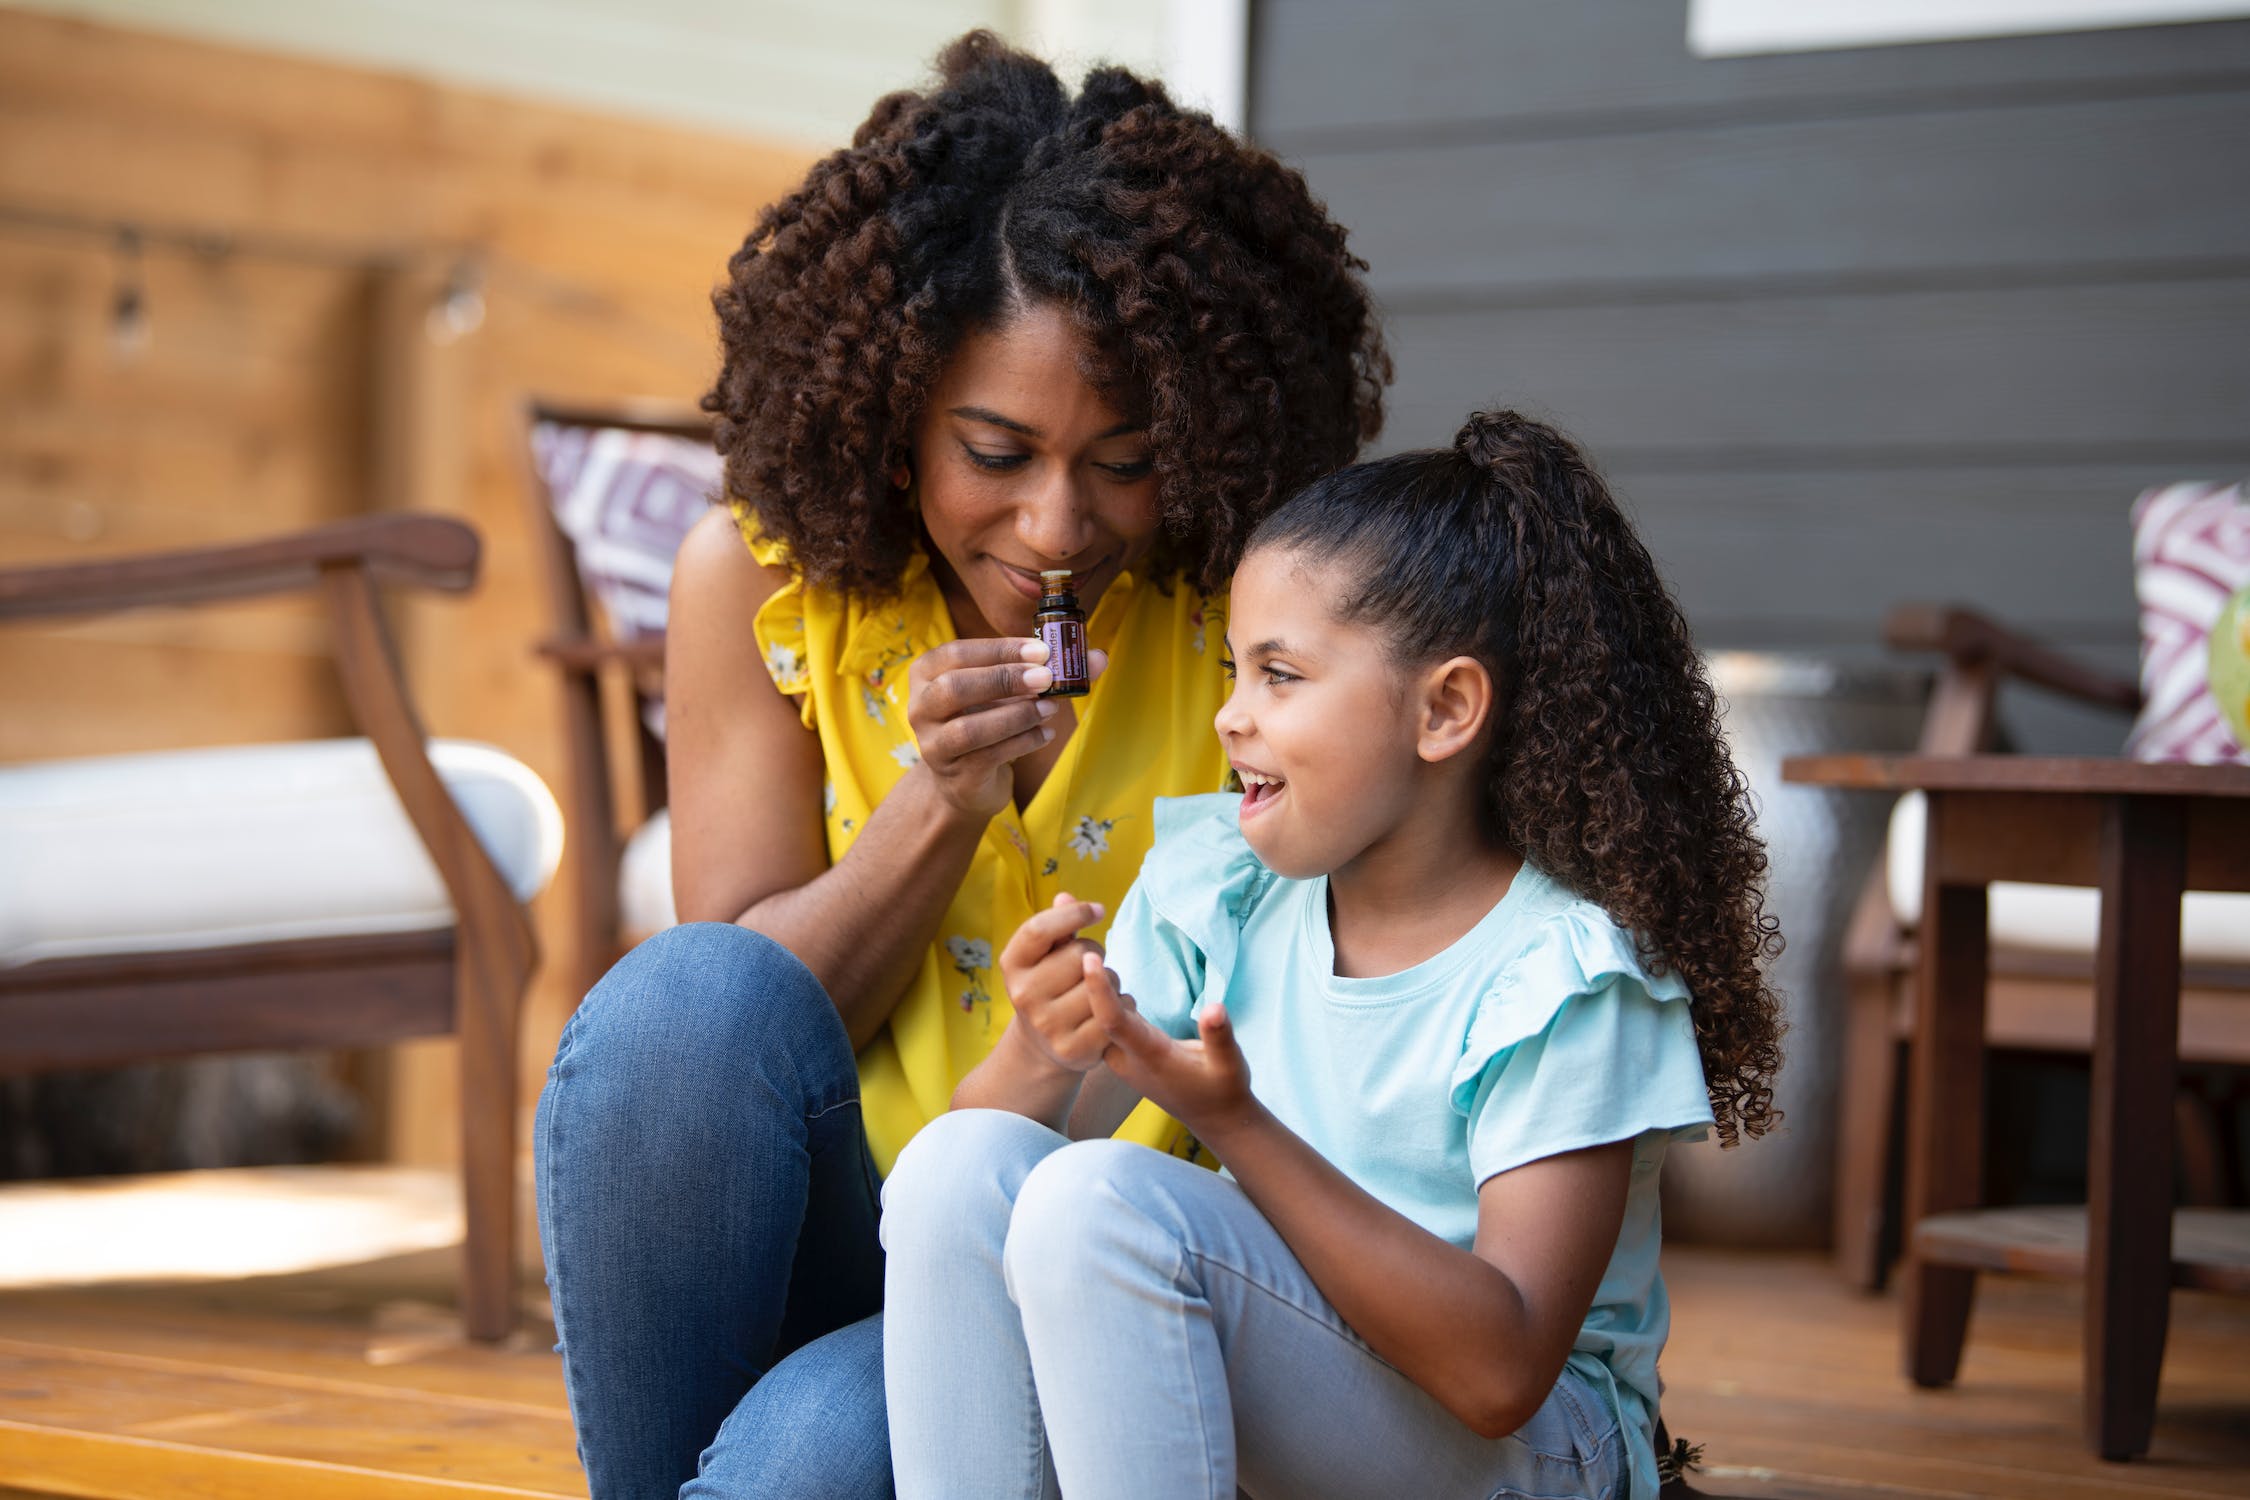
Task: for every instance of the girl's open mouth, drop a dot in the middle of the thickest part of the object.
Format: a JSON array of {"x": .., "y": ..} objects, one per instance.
[{"x": 1258, "y": 791}]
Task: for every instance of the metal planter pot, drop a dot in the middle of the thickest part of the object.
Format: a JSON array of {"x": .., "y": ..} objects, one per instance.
[{"x": 1778, "y": 1190}]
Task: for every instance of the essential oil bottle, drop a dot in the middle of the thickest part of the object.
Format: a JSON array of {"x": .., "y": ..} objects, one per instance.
[{"x": 1062, "y": 625}]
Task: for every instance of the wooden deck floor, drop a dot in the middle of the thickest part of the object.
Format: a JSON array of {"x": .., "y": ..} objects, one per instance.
[{"x": 351, "y": 1383}]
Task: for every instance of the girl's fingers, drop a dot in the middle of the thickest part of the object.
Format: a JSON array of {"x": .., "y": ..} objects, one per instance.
[
  {"x": 1055, "y": 975},
  {"x": 1216, "y": 1028},
  {"x": 1121, "y": 1020},
  {"x": 1043, "y": 931}
]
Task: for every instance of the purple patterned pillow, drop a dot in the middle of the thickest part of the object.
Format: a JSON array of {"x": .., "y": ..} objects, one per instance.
[
  {"x": 2191, "y": 552},
  {"x": 626, "y": 499}
]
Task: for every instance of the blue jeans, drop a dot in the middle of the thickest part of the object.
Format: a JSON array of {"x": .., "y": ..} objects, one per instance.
[
  {"x": 1109, "y": 1320},
  {"x": 707, "y": 1207}
]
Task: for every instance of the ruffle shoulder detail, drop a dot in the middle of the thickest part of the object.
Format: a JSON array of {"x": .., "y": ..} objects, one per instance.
[
  {"x": 1178, "y": 932},
  {"x": 780, "y": 622},
  {"x": 1577, "y": 954}
]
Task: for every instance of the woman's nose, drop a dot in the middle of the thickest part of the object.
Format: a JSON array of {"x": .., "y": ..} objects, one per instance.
[{"x": 1057, "y": 523}]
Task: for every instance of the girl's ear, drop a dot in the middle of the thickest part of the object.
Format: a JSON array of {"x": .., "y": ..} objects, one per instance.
[{"x": 1454, "y": 704}]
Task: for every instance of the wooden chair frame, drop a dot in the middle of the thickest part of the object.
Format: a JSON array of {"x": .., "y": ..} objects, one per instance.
[
  {"x": 345, "y": 992},
  {"x": 608, "y": 764},
  {"x": 2036, "y": 1002}
]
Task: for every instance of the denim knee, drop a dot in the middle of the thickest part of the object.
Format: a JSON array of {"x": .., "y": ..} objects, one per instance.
[
  {"x": 707, "y": 1005},
  {"x": 1078, "y": 1210},
  {"x": 955, "y": 1183}
]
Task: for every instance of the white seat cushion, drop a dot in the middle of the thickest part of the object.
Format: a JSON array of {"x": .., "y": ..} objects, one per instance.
[
  {"x": 245, "y": 844},
  {"x": 644, "y": 880},
  {"x": 2214, "y": 925}
]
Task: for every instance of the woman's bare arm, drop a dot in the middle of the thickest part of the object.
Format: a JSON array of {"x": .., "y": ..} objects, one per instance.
[{"x": 748, "y": 844}]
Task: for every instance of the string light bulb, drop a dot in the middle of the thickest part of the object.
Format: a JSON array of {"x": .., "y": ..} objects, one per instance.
[
  {"x": 129, "y": 330},
  {"x": 458, "y": 309}
]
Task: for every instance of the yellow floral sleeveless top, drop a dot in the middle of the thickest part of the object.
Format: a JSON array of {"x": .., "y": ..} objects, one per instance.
[{"x": 1143, "y": 732}]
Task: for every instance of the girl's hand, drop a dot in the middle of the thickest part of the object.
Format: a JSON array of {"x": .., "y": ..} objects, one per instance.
[
  {"x": 1198, "y": 1083},
  {"x": 1043, "y": 966},
  {"x": 975, "y": 710}
]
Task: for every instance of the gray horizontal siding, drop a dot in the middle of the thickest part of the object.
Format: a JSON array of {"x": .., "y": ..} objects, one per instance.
[
  {"x": 2052, "y": 188},
  {"x": 1845, "y": 328},
  {"x": 2008, "y": 373},
  {"x": 1344, "y": 71}
]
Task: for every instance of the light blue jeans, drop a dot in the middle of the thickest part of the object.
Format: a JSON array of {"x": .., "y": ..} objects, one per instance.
[{"x": 1107, "y": 1321}]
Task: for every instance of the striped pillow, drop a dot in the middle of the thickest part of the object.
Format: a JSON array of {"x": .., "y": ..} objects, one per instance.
[
  {"x": 2191, "y": 551},
  {"x": 626, "y": 500}
]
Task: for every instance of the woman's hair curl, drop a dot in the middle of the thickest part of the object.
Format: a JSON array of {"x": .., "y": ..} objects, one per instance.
[
  {"x": 1215, "y": 296},
  {"x": 1606, "y": 765}
]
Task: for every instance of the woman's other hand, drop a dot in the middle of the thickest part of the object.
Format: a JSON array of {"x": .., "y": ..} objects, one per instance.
[
  {"x": 975, "y": 709},
  {"x": 1044, "y": 966}
]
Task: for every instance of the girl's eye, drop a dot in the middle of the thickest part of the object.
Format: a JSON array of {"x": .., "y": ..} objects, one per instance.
[
  {"x": 1276, "y": 677},
  {"x": 997, "y": 463},
  {"x": 1226, "y": 665}
]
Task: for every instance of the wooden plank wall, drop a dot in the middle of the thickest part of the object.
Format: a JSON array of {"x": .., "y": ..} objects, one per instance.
[
  {"x": 287, "y": 380},
  {"x": 1845, "y": 328}
]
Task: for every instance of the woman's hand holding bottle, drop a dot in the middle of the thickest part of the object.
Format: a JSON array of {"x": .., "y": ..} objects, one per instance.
[{"x": 975, "y": 710}]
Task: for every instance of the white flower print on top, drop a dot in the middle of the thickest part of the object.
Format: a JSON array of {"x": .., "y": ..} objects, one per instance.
[
  {"x": 908, "y": 754},
  {"x": 787, "y": 666},
  {"x": 1090, "y": 838},
  {"x": 971, "y": 957}
]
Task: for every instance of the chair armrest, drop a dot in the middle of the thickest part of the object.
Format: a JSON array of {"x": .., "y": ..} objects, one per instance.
[
  {"x": 584, "y": 654},
  {"x": 1974, "y": 640},
  {"x": 431, "y": 552}
]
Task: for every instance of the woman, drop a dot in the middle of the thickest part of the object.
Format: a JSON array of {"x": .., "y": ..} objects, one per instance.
[{"x": 1006, "y": 331}]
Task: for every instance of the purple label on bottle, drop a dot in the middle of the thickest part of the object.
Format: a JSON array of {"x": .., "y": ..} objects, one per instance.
[{"x": 1066, "y": 649}]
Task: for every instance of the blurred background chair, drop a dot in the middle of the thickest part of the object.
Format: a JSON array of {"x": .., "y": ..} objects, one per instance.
[
  {"x": 612, "y": 491},
  {"x": 323, "y": 894},
  {"x": 2040, "y": 996}
]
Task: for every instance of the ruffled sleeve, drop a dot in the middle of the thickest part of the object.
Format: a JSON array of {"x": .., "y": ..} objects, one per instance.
[
  {"x": 780, "y": 623},
  {"x": 1577, "y": 1045},
  {"x": 1178, "y": 931}
]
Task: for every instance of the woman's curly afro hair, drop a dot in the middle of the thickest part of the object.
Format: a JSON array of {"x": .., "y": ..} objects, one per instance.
[
  {"x": 1607, "y": 768},
  {"x": 1217, "y": 301}
]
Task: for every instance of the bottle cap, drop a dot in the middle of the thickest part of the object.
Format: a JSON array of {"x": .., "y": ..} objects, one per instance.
[{"x": 1056, "y": 581}]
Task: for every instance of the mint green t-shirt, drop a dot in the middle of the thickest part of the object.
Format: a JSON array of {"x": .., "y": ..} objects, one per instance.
[{"x": 1538, "y": 1032}]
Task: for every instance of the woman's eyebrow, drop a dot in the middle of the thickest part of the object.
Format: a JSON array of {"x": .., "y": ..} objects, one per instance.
[{"x": 994, "y": 419}]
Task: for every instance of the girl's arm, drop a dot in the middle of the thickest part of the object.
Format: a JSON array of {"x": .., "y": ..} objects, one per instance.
[
  {"x": 1485, "y": 1332},
  {"x": 748, "y": 844}
]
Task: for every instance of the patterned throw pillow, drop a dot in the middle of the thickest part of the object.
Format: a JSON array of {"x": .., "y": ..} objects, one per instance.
[
  {"x": 626, "y": 500},
  {"x": 2191, "y": 553}
]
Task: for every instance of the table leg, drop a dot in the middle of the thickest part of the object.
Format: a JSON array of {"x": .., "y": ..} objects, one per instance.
[
  {"x": 2129, "y": 1153},
  {"x": 1945, "y": 1106}
]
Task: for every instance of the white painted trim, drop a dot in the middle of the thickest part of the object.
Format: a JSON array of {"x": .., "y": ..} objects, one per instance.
[
  {"x": 1207, "y": 57},
  {"x": 1734, "y": 28}
]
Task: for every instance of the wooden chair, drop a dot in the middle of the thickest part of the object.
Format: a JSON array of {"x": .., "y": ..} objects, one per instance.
[
  {"x": 465, "y": 980},
  {"x": 2037, "y": 1001},
  {"x": 616, "y": 762}
]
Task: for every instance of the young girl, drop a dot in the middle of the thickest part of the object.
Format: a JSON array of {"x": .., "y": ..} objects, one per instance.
[{"x": 1480, "y": 937}]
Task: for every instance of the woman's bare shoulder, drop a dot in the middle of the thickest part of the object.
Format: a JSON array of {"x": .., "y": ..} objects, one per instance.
[{"x": 715, "y": 572}]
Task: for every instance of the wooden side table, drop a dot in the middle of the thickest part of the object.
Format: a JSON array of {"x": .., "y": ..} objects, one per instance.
[{"x": 2143, "y": 834}]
